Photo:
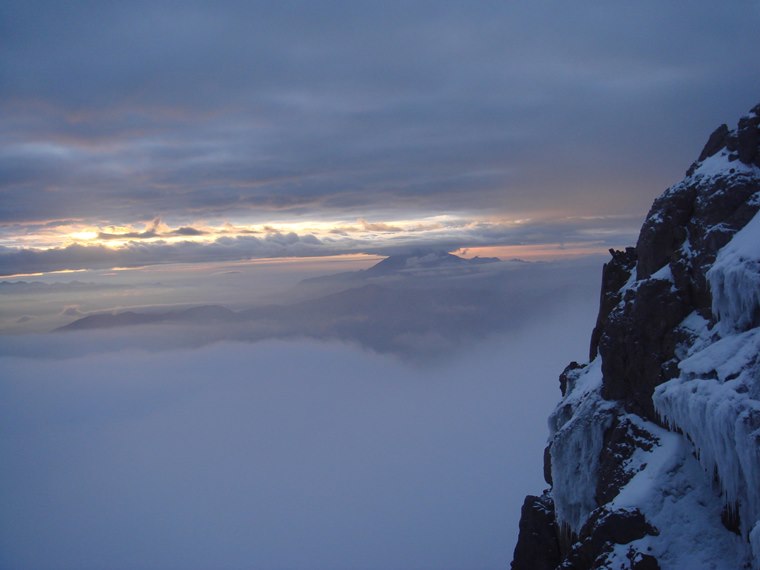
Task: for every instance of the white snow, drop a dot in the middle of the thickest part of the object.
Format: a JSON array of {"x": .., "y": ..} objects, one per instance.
[
  {"x": 726, "y": 358},
  {"x": 718, "y": 165},
  {"x": 577, "y": 426},
  {"x": 631, "y": 285},
  {"x": 735, "y": 280},
  {"x": 664, "y": 273},
  {"x": 694, "y": 322},
  {"x": 687, "y": 250},
  {"x": 675, "y": 496},
  {"x": 715, "y": 401}
]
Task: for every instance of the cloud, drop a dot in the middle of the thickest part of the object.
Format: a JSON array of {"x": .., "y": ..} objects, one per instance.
[
  {"x": 352, "y": 109},
  {"x": 420, "y": 311},
  {"x": 136, "y": 254},
  {"x": 186, "y": 231},
  {"x": 603, "y": 231},
  {"x": 71, "y": 311},
  {"x": 155, "y": 229},
  {"x": 42, "y": 288},
  {"x": 232, "y": 454},
  {"x": 378, "y": 226}
]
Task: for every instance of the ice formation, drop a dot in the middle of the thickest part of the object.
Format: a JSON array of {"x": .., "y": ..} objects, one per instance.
[
  {"x": 577, "y": 426},
  {"x": 735, "y": 280}
]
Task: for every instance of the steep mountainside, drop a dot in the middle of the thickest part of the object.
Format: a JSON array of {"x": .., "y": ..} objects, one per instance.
[{"x": 654, "y": 451}]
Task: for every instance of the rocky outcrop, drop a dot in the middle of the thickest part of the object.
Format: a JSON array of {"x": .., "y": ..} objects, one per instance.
[
  {"x": 539, "y": 537},
  {"x": 654, "y": 451}
]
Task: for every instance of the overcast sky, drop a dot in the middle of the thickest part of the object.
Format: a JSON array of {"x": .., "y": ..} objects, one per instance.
[{"x": 554, "y": 115}]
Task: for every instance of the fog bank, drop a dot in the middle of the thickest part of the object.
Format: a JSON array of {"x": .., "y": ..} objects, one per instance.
[{"x": 277, "y": 454}]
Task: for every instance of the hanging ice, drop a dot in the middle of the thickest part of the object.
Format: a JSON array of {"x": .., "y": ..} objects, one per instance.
[
  {"x": 578, "y": 425},
  {"x": 735, "y": 280},
  {"x": 715, "y": 401}
]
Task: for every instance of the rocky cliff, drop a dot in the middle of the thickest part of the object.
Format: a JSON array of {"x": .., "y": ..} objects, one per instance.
[{"x": 653, "y": 458}]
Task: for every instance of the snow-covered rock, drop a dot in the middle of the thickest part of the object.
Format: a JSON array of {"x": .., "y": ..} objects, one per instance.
[{"x": 654, "y": 450}]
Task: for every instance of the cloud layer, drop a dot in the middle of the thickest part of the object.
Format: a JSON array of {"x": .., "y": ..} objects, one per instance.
[
  {"x": 118, "y": 113},
  {"x": 276, "y": 455},
  {"x": 161, "y": 244}
]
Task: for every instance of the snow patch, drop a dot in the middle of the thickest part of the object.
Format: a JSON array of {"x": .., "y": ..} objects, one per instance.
[
  {"x": 694, "y": 323},
  {"x": 664, "y": 273},
  {"x": 720, "y": 165},
  {"x": 631, "y": 285}
]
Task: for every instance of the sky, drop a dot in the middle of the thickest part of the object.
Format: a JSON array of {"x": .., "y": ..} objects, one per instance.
[{"x": 141, "y": 133}]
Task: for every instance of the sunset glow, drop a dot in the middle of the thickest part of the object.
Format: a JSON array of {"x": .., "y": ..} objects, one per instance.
[{"x": 157, "y": 241}]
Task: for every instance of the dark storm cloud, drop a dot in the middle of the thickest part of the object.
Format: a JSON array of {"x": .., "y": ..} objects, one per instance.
[{"x": 124, "y": 111}]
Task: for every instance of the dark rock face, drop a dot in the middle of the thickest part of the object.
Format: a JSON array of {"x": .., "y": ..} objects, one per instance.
[
  {"x": 633, "y": 364},
  {"x": 601, "y": 532},
  {"x": 716, "y": 142},
  {"x": 742, "y": 143},
  {"x": 538, "y": 545},
  {"x": 636, "y": 561},
  {"x": 622, "y": 439},
  {"x": 664, "y": 230},
  {"x": 647, "y": 293},
  {"x": 614, "y": 276},
  {"x": 569, "y": 374},
  {"x": 682, "y": 234}
]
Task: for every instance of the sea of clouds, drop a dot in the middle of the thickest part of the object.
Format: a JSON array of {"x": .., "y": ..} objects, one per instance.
[{"x": 277, "y": 454}]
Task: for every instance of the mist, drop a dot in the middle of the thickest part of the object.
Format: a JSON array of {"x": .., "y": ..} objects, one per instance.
[
  {"x": 278, "y": 454},
  {"x": 420, "y": 313}
]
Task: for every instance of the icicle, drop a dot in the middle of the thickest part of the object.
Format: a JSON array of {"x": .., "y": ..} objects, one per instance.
[{"x": 735, "y": 280}]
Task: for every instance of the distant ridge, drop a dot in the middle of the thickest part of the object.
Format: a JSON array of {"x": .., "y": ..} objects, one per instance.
[
  {"x": 204, "y": 313},
  {"x": 414, "y": 305},
  {"x": 424, "y": 259},
  {"x": 416, "y": 262}
]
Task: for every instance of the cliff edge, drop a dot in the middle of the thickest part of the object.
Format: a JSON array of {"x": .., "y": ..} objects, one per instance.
[{"x": 653, "y": 459}]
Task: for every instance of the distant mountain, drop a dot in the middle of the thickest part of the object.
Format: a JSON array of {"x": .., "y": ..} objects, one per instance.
[
  {"x": 382, "y": 318},
  {"x": 414, "y": 315},
  {"x": 654, "y": 455},
  {"x": 419, "y": 263},
  {"x": 203, "y": 314},
  {"x": 424, "y": 260}
]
